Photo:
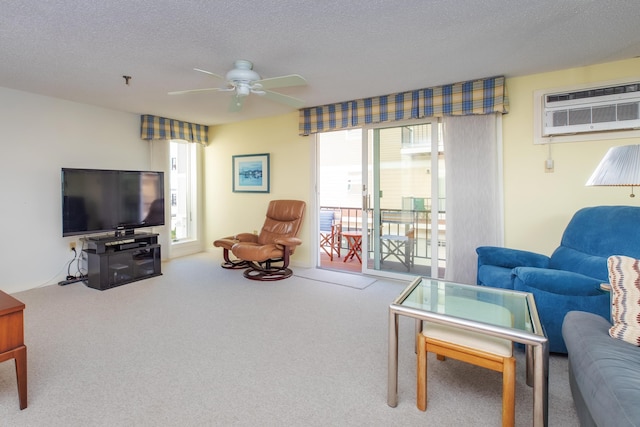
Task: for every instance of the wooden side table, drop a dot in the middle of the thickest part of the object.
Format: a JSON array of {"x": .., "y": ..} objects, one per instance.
[
  {"x": 354, "y": 241},
  {"x": 12, "y": 341}
]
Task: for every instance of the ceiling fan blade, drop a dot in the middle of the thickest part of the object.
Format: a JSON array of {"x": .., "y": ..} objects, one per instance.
[
  {"x": 282, "y": 81},
  {"x": 209, "y": 72},
  {"x": 236, "y": 103},
  {"x": 209, "y": 89},
  {"x": 283, "y": 99}
]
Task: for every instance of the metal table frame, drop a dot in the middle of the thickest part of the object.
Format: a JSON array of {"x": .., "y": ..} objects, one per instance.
[{"x": 537, "y": 347}]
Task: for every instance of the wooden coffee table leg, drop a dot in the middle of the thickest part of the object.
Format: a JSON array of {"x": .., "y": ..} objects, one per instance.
[
  {"x": 21, "y": 374},
  {"x": 421, "y": 371}
]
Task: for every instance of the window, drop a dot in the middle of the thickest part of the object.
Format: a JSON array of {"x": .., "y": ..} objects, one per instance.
[{"x": 183, "y": 184}]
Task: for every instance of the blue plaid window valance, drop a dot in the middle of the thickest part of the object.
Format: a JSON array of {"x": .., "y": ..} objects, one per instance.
[
  {"x": 484, "y": 96},
  {"x": 153, "y": 127}
]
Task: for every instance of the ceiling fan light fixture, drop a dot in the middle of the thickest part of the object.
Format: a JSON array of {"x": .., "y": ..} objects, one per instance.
[{"x": 243, "y": 89}]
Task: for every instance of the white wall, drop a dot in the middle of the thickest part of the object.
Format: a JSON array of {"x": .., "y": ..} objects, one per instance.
[{"x": 40, "y": 135}]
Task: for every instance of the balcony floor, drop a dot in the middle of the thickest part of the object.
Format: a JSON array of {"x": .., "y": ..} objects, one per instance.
[{"x": 353, "y": 266}]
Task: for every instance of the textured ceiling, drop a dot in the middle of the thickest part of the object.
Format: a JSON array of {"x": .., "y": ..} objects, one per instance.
[{"x": 79, "y": 50}]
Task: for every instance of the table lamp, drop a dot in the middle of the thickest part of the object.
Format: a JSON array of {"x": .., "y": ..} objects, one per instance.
[{"x": 619, "y": 167}]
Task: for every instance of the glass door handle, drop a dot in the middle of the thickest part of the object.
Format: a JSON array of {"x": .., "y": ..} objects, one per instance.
[{"x": 365, "y": 202}]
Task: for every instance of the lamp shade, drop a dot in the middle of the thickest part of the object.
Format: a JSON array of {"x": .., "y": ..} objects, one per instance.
[{"x": 619, "y": 167}]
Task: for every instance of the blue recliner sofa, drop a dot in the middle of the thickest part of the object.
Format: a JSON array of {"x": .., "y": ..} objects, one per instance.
[{"x": 570, "y": 279}]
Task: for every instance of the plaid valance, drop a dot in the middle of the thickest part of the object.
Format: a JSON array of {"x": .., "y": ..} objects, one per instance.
[
  {"x": 484, "y": 96},
  {"x": 153, "y": 127}
]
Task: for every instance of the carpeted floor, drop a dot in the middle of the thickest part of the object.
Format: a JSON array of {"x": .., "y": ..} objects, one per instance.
[{"x": 201, "y": 345}]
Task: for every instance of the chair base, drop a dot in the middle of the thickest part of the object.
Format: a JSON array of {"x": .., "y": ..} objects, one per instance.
[
  {"x": 233, "y": 264},
  {"x": 268, "y": 274}
]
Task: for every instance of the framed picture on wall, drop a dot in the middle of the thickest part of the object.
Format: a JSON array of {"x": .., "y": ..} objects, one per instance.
[{"x": 251, "y": 173}]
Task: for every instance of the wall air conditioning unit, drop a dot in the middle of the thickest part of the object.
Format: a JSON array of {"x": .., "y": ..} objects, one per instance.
[{"x": 593, "y": 109}]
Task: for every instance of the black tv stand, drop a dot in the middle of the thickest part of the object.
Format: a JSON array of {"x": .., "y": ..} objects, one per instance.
[{"x": 115, "y": 260}]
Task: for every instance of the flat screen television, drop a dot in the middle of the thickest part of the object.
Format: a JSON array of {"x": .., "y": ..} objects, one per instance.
[{"x": 99, "y": 200}]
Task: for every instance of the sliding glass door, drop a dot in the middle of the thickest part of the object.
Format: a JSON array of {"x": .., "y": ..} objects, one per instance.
[{"x": 404, "y": 201}]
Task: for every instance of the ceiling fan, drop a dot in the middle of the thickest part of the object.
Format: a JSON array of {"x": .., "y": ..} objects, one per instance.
[{"x": 243, "y": 81}]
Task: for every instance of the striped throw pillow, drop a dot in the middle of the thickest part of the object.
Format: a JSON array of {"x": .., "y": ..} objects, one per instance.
[{"x": 624, "y": 275}]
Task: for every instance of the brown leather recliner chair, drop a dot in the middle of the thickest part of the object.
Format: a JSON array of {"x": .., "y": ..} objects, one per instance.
[{"x": 266, "y": 255}]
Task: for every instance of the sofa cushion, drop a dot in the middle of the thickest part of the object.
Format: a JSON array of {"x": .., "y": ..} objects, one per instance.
[
  {"x": 553, "y": 306},
  {"x": 606, "y": 370},
  {"x": 560, "y": 282},
  {"x": 604, "y": 231},
  {"x": 565, "y": 258},
  {"x": 510, "y": 258},
  {"x": 624, "y": 275},
  {"x": 495, "y": 276}
]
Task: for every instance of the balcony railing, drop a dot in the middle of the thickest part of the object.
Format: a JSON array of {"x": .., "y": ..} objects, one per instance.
[{"x": 400, "y": 222}]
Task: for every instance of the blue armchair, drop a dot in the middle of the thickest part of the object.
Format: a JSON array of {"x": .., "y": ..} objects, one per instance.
[{"x": 570, "y": 279}]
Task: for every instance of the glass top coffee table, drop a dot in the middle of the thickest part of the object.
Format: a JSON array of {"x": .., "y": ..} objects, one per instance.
[{"x": 452, "y": 304}]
